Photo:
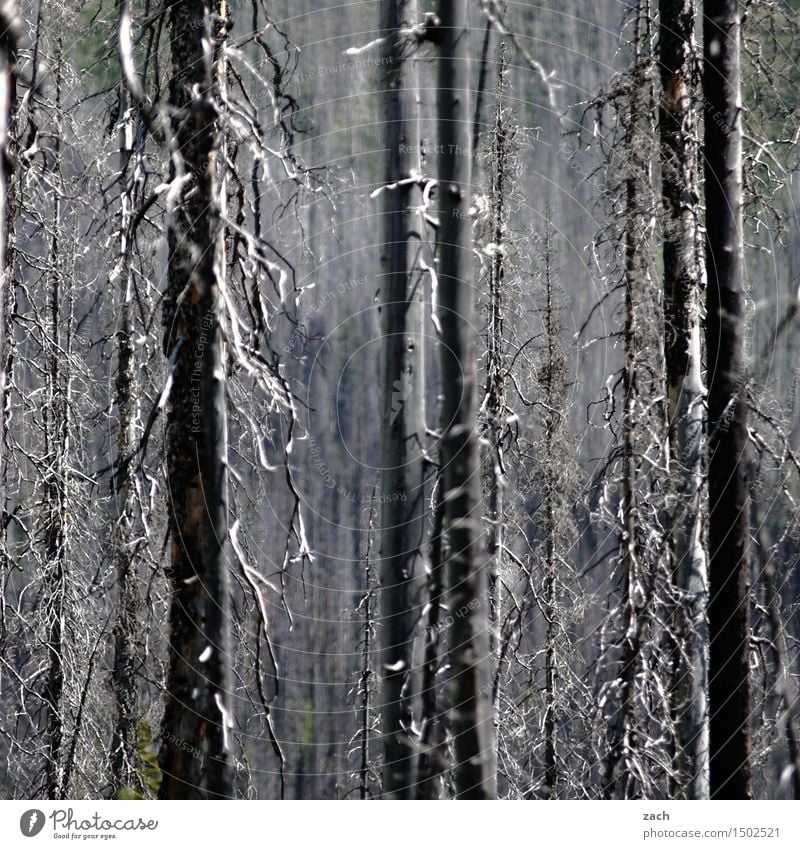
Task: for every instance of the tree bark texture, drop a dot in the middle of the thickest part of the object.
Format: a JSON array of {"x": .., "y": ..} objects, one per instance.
[
  {"x": 470, "y": 711},
  {"x": 729, "y": 676},
  {"x": 403, "y": 419},
  {"x": 195, "y": 755},
  {"x": 681, "y": 256}
]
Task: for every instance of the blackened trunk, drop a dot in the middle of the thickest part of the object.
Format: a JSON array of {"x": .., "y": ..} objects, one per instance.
[
  {"x": 124, "y": 756},
  {"x": 56, "y": 432},
  {"x": 729, "y": 690},
  {"x": 9, "y": 34},
  {"x": 619, "y": 777},
  {"x": 470, "y": 709},
  {"x": 680, "y": 202},
  {"x": 554, "y": 415},
  {"x": 195, "y": 756},
  {"x": 431, "y": 738},
  {"x": 403, "y": 422},
  {"x": 496, "y": 367}
]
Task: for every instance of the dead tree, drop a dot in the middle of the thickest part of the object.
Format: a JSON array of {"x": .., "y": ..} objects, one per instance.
[
  {"x": 195, "y": 756},
  {"x": 124, "y": 756},
  {"x": 469, "y": 709},
  {"x": 403, "y": 421},
  {"x": 56, "y": 427},
  {"x": 9, "y": 36},
  {"x": 780, "y": 676},
  {"x": 431, "y": 737},
  {"x": 366, "y": 684},
  {"x": 729, "y": 562},
  {"x": 626, "y": 741},
  {"x": 496, "y": 409},
  {"x": 685, "y": 414},
  {"x": 553, "y": 382}
]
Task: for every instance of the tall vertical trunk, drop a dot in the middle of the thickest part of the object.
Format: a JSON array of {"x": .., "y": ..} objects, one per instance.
[
  {"x": 554, "y": 421},
  {"x": 551, "y": 636},
  {"x": 677, "y": 124},
  {"x": 123, "y": 744},
  {"x": 785, "y": 686},
  {"x": 195, "y": 756},
  {"x": 403, "y": 430},
  {"x": 470, "y": 709},
  {"x": 54, "y": 577},
  {"x": 625, "y": 741},
  {"x": 56, "y": 433},
  {"x": 9, "y": 34},
  {"x": 431, "y": 734},
  {"x": 124, "y": 772},
  {"x": 497, "y": 364},
  {"x": 367, "y": 673},
  {"x": 495, "y": 399},
  {"x": 729, "y": 562}
]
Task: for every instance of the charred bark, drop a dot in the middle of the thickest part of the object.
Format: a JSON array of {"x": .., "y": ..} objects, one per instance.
[
  {"x": 124, "y": 755},
  {"x": 681, "y": 256},
  {"x": 729, "y": 562},
  {"x": 403, "y": 422},
  {"x": 620, "y": 776},
  {"x": 56, "y": 433},
  {"x": 9, "y": 34},
  {"x": 431, "y": 762},
  {"x": 195, "y": 756},
  {"x": 470, "y": 710},
  {"x": 554, "y": 385}
]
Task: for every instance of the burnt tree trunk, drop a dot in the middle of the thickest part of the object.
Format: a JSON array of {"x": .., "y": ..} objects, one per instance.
[
  {"x": 403, "y": 428},
  {"x": 728, "y": 614},
  {"x": 553, "y": 380},
  {"x": 431, "y": 738},
  {"x": 496, "y": 365},
  {"x": 124, "y": 757},
  {"x": 470, "y": 709},
  {"x": 56, "y": 434},
  {"x": 9, "y": 35},
  {"x": 620, "y": 776},
  {"x": 195, "y": 756},
  {"x": 685, "y": 415}
]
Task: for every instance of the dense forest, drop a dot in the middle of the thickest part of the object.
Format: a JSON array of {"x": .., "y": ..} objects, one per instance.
[{"x": 399, "y": 399}]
